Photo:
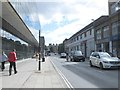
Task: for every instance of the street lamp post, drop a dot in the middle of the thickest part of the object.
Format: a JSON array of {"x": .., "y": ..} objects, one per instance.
[{"x": 39, "y": 67}]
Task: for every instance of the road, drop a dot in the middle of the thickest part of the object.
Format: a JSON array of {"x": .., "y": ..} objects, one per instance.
[{"x": 81, "y": 75}]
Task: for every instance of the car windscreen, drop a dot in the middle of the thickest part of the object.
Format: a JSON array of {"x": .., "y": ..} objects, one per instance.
[{"x": 77, "y": 53}]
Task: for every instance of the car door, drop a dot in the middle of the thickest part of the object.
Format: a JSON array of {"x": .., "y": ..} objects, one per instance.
[
  {"x": 97, "y": 61},
  {"x": 93, "y": 58}
]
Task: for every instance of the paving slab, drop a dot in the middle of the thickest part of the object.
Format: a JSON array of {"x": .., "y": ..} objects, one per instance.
[{"x": 28, "y": 75}]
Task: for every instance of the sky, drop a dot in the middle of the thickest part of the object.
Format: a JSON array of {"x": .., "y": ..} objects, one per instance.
[{"x": 60, "y": 19}]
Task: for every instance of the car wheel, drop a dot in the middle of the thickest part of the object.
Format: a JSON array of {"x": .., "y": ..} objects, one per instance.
[
  {"x": 91, "y": 64},
  {"x": 101, "y": 66},
  {"x": 83, "y": 60},
  {"x": 71, "y": 59},
  {"x": 68, "y": 59}
]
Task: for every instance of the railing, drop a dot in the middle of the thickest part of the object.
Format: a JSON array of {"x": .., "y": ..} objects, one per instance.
[{"x": 20, "y": 54}]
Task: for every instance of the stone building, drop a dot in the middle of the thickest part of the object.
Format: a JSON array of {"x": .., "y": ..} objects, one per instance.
[{"x": 102, "y": 34}]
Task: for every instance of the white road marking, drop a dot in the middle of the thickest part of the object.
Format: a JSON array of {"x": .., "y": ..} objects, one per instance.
[{"x": 63, "y": 77}]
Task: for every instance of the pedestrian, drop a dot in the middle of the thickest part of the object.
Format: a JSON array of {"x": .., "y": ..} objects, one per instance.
[
  {"x": 37, "y": 56},
  {"x": 12, "y": 59},
  {"x": 4, "y": 59},
  {"x": 67, "y": 57}
]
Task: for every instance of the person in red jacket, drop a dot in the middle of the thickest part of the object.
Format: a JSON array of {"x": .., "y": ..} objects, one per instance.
[{"x": 12, "y": 60}]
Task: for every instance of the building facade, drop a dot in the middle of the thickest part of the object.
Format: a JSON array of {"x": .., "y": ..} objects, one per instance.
[
  {"x": 10, "y": 42},
  {"x": 14, "y": 31},
  {"x": 103, "y": 34},
  {"x": 82, "y": 40},
  {"x": 107, "y": 32}
]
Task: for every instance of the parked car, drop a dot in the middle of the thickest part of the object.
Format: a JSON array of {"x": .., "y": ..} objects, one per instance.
[
  {"x": 77, "y": 56},
  {"x": 63, "y": 55},
  {"x": 55, "y": 53},
  {"x": 103, "y": 60}
]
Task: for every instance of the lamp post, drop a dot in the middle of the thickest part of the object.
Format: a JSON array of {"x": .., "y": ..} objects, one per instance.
[{"x": 39, "y": 67}]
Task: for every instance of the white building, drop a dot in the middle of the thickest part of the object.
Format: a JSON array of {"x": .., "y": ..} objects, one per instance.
[{"x": 83, "y": 40}]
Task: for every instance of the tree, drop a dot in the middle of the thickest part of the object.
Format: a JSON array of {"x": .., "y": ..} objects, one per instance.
[{"x": 60, "y": 48}]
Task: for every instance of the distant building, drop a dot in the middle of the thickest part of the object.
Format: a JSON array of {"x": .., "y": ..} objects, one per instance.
[{"x": 53, "y": 48}]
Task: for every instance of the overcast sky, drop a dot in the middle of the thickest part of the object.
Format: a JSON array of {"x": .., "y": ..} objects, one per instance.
[{"x": 60, "y": 19}]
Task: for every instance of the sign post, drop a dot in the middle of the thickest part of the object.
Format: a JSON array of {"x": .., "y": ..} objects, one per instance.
[{"x": 39, "y": 67}]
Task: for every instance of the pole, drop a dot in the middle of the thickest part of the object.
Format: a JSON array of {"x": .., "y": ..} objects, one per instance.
[{"x": 39, "y": 67}]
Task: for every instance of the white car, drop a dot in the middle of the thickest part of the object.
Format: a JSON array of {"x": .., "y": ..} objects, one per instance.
[
  {"x": 63, "y": 55},
  {"x": 103, "y": 60}
]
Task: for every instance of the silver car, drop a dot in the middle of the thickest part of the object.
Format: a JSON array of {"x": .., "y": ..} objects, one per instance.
[
  {"x": 103, "y": 60},
  {"x": 63, "y": 55}
]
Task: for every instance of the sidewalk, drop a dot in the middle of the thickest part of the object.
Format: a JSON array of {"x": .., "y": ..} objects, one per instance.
[{"x": 28, "y": 76}]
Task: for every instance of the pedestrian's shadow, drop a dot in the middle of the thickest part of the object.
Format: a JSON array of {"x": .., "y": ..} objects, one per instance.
[
  {"x": 67, "y": 61},
  {"x": 4, "y": 73}
]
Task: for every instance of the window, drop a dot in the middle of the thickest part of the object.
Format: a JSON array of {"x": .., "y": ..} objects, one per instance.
[
  {"x": 106, "y": 32},
  {"x": 115, "y": 7},
  {"x": 9, "y": 36},
  {"x": 114, "y": 28},
  {"x": 77, "y": 47},
  {"x": 98, "y": 34},
  {"x": 90, "y": 32},
  {"x": 85, "y": 34},
  {"x": 77, "y": 38},
  {"x": 81, "y": 36},
  {"x": 71, "y": 40},
  {"x": 94, "y": 54}
]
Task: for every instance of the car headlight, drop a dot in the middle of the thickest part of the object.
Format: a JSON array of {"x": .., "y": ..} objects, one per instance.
[{"x": 106, "y": 61}]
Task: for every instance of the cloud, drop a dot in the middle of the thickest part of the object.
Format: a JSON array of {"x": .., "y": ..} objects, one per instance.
[
  {"x": 57, "y": 12},
  {"x": 72, "y": 10},
  {"x": 54, "y": 10},
  {"x": 58, "y": 35},
  {"x": 82, "y": 11}
]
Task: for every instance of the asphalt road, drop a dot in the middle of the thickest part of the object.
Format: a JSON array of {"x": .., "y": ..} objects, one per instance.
[{"x": 81, "y": 75}]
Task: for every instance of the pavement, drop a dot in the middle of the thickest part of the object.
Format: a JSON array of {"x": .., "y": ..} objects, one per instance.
[{"x": 29, "y": 76}]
